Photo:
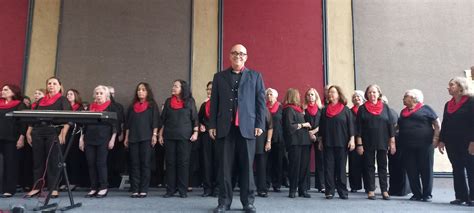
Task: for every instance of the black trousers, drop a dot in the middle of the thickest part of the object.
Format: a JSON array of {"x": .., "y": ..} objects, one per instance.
[
  {"x": 158, "y": 166},
  {"x": 76, "y": 163},
  {"x": 299, "y": 157},
  {"x": 140, "y": 159},
  {"x": 8, "y": 166},
  {"x": 369, "y": 157},
  {"x": 357, "y": 171},
  {"x": 398, "y": 182},
  {"x": 96, "y": 156},
  {"x": 335, "y": 170},
  {"x": 418, "y": 162},
  {"x": 262, "y": 179},
  {"x": 461, "y": 161},
  {"x": 195, "y": 179},
  {"x": 26, "y": 166},
  {"x": 177, "y": 165},
  {"x": 275, "y": 165},
  {"x": 209, "y": 163},
  {"x": 319, "y": 168},
  {"x": 44, "y": 146},
  {"x": 235, "y": 149},
  {"x": 117, "y": 163}
]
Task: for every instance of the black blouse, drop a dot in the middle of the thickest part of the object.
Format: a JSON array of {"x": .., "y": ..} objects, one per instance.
[
  {"x": 337, "y": 131},
  {"x": 141, "y": 125},
  {"x": 178, "y": 124},
  {"x": 10, "y": 130},
  {"x": 417, "y": 129},
  {"x": 458, "y": 127},
  {"x": 262, "y": 139},
  {"x": 375, "y": 130},
  {"x": 44, "y": 129},
  {"x": 98, "y": 134},
  {"x": 277, "y": 122},
  {"x": 313, "y": 120},
  {"x": 294, "y": 136}
]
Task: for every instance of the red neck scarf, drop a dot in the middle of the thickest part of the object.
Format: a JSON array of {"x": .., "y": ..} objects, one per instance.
[
  {"x": 33, "y": 105},
  {"x": 355, "y": 109},
  {"x": 374, "y": 109},
  {"x": 453, "y": 106},
  {"x": 208, "y": 108},
  {"x": 407, "y": 112},
  {"x": 47, "y": 100},
  {"x": 75, "y": 106},
  {"x": 139, "y": 107},
  {"x": 176, "y": 103},
  {"x": 333, "y": 110},
  {"x": 9, "y": 105},
  {"x": 273, "y": 109},
  {"x": 95, "y": 107},
  {"x": 312, "y": 109},
  {"x": 296, "y": 108}
]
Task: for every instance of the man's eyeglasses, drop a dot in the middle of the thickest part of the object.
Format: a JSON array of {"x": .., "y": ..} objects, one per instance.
[{"x": 235, "y": 53}]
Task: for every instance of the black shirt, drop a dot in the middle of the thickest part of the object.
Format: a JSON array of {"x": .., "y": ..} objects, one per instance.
[
  {"x": 458, "y": 127},
  {"x": 178, "y": 124},
  {"x": 45, "y": 129},
  {"x": 141, "y": 125},
  {"x": 417, "y": 129},
  {"x": 277, "y": 120},
  {"x": 262, "y": 139},
  {"x": 337, "y": 131},
  {"x": 10, "y": 130},
  {"x": 98, "y": 134},
  {"x": 313, "y": 120},
  {"x": 294, "y": 136},
  {"x": 375, "y": 130}
]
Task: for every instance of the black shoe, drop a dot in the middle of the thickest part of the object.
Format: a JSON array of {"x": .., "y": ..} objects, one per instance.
[
  {"x": 371, "y": 197},
  {"x": 344, "y": 197},
  {"x": 250, "y": 208},
  {"x": 168, "y": 195},
  {"x": 470, "y": 203},
  {"x": 102, "y": 195},
  {"x": 456, "y": 202},
  {"x": 292, "y": 195},
  {"x": 184, "y": 195},
  {"x": 135, "y": 195},
  {"x": 89, "y": 195},
  {"x": 353, "y": 190},
  {"x": 329, "y": 197},
  {"x": 304, "y": 194},
  {"x": 7, "y": 195},
  {"x": 206, "y": 194},
  {"x": 221, "y": 209},
  {"x": 415, "y": 198},
  {"x": 262, "y": 194},
  {"x": 322, "y": 190},
  {"x": 426, "y": 199},
  {"x": 142, "y": 195},
  {"x": 385, "y": 197},
  {"x": 275, "y": 189}
]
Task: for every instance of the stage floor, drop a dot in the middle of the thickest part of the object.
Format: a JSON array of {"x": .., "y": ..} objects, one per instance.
[{"x": 119, "y": 201}]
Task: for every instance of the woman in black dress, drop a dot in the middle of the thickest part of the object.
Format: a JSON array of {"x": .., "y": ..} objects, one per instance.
[
  {"x": 277, "y": 151},
  {"x": 263, "y": 146},
  {"x": 357, "y": 172},
  {"x": 180, "y": 129},
  {"x": 419, "y": 128},
  {"x": 313, "y": 115},
  {"x": 375, "y": 136},
  {"x": 141, "y": 135},
  {"x": 337, "y": 136},
  {"x": 96, "y": 141},
  {"x": 43, "y": 138},
  {"x": 208, "y": 149},
  {"x": 12, "y": 138},
  {"x": 457, "y": 134},
  {"x": 296, "y": 133}
]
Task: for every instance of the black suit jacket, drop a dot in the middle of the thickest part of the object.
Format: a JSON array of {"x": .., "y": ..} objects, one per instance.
[{"x": 251, "y": 103}]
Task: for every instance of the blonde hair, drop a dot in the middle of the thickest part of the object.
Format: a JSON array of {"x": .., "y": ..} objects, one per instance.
[
  {"x": 292, "y": 96},
  {"x": 318, "y": 98}
]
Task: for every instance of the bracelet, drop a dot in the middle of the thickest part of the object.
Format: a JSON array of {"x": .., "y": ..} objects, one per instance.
[{"x": 155, "y": 134}]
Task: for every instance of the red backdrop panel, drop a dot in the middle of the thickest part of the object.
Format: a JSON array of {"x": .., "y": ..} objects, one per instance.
[
  {"x": 13, "y": 23},
  {"x": 284, "y": 41}
]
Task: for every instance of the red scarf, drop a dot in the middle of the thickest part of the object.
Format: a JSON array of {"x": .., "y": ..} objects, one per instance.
[
  {"x": 407, "y": 112},
  {"x": 208, "y": 108},
  {"x": 75, "y": 106},
  {"x": 9, "y": 105},
  {"x": 33, "y": 105},
  {"x": 95, "y": 107},
  {"x": 312, "y": 109},
  {"x": 333, "y": 110},
  {"x": 374, "y": 109},
  {"x": 176, "y": 103},
  {"x": 139, "y": 107},
  {"x": 273, "y": 109},
  {"x": 296, "y": 108},
  {"x": 453, "y": 106},
  {"x": 355, "y": 109},
  {"x": 47, "y": 100}
]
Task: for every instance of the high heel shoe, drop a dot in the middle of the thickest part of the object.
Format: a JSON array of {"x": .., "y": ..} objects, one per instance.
[
  {"x": 142, "y": 195},
  {"x": 56, "y": 195},
  {"x": 37, "y": 193},
  {"x": 102, "y": 195},
  {"x": 385, "y": 196},
  {"x": 92, "y": 193}
]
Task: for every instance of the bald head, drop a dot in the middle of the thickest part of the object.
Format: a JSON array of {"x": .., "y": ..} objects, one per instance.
[{"x": 238, "y": 56}]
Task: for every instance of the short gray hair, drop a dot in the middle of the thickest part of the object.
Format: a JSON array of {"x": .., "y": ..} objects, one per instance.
[
  {"x": 464, "y": 84},
  {"x": 106, "y": 91},
  {"x": 360, "y": 94},
  {"x": 275, "y": 93},
  {"x": 416, "y": 94}
]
